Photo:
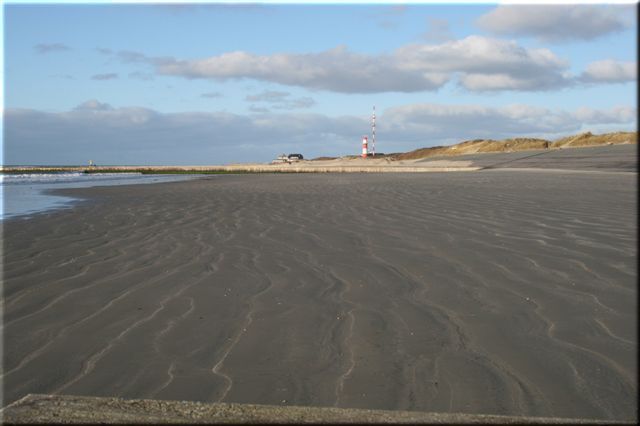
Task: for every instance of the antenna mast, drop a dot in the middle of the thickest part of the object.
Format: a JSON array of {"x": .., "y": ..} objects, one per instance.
[{"x": 373, "y": 131}]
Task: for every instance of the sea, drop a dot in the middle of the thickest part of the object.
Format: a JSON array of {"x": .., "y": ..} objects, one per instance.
[{"x": 22, "y": 195}]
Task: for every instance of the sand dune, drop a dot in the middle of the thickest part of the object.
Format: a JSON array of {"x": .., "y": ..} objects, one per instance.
[
  {"x": 519, "y": 144},
  {"x": 494, "y": 292},
  {"x": 589, "y": 139}
]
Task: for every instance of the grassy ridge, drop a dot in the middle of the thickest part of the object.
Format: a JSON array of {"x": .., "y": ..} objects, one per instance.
[{"x": 520, "y": 144}]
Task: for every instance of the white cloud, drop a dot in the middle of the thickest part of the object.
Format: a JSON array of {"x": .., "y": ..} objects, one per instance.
[
  {"x": 134, "y": 135},
  {"x": 483, "y": 64},
  {"x": 93, "y": 105},
  {"x": 477, "y": 63},
  {"x": 475, "y": 121},
  {"x": 279, "y": 100},
  {"x": 555, "y": 22},
  {"x": 462, "y": 121},
  {"x": 489, "y": 64},
  {"x": 337, "y": 69},
  {"x": 622, "y": 114},
  {"x": 610, "y": 71},
  {"x": 478, "y": 54},
  {"x": 523, "y": 112}
]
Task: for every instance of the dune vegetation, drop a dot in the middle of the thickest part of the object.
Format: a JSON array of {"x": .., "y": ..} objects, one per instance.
[{"x": 520, "y": 144}]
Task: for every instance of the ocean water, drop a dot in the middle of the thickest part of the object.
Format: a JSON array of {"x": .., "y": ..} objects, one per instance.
[{"x": 24, "y": 194}]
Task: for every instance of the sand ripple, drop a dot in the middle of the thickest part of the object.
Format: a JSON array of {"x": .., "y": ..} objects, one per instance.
[{"x": 495, "y": 292}]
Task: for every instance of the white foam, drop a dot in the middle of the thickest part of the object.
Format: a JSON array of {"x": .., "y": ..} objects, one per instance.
[{"x": 31, "y": 178}]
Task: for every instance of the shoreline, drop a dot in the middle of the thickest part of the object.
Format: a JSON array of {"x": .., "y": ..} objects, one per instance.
[
  {"x": 384, "y": 164},
  {"x": 235, "y": 169},
  {"x": 23, "y": 198}
]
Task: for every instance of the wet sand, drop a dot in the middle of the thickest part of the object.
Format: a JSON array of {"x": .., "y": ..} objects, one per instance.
[{"x": 491, "y": 292}]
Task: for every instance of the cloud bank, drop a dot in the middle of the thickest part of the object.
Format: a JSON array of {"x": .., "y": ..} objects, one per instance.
[
  {"x": 555, "y": 23},
  {"x": 337, "y": 69},
  {"x": 134, "y": 135},
  {"x": 486, "y": 64},
  {"x": 476, "y": 63},
  {"x": 460, "y": 122},
  {"x": 610, "y": 71}
]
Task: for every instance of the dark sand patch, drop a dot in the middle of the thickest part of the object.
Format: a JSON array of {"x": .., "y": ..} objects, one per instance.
[{"x": 490, "y": 293}]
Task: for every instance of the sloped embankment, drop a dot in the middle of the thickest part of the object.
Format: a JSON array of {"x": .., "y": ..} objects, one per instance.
[
  {"x": 520, "y": 144},
  {"x": 589, "y": 139},
  {"x": 476, "y": 146}
]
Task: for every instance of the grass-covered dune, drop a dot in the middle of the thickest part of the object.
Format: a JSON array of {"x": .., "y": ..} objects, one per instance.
[{"x": 520, "y": 144}]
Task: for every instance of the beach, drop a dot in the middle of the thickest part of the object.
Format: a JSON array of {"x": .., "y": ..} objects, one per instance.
[{"x": 490, "y": 292}]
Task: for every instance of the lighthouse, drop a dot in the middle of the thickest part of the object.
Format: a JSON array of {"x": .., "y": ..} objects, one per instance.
[{"x": 364, "y": 147}]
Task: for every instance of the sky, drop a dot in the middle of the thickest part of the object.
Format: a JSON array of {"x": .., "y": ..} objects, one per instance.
[{"x": 213, "y": 83}]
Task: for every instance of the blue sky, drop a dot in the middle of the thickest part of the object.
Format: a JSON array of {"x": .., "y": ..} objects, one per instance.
[{"x": 213, "y": 83}]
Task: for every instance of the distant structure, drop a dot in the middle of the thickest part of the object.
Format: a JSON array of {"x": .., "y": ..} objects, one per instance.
[
  {"x": 282, "y": 158},
  {"x": 365, "y": 150},
  {"x": 365, "y": 141},
  {"x": 91, "y": 163},
  {"x": 295, "y": 157},
  {"x": 291, "y": 158},
  {"x": 373, "y": 132}
]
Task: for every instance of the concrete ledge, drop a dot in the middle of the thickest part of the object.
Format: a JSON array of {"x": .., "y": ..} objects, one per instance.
[{"x": 77, "y": 409}]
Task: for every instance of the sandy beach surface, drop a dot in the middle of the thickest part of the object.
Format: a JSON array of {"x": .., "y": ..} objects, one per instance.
[
  {"x": 609, "y": 158},
  {"x": 490, "y": 292}
]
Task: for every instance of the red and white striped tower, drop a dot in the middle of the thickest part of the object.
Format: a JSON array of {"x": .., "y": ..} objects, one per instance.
[
  {"x": 364, "y": 146},
  {"x": 373, "y": 132}
]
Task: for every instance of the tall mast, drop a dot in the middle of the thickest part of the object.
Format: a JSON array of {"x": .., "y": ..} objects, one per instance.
[{"x": 373, "y": 131}]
